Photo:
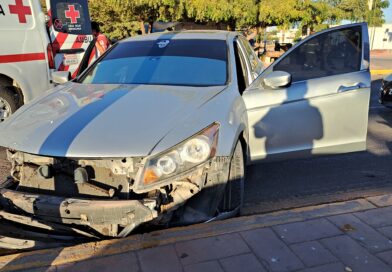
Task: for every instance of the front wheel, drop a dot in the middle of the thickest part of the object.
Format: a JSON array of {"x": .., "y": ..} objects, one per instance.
[
  {"x": 233, "y": 197},
  {"x": 219, "y": 200}
]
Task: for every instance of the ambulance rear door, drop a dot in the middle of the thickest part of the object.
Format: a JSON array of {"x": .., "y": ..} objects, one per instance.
[{"x": 70, "y": 33}]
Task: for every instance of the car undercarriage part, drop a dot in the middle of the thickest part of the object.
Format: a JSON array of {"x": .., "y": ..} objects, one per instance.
[{"x": 91, "y": 198}]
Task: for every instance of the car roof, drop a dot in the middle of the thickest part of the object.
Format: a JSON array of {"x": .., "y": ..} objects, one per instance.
[{"x": 185, "y": 35}]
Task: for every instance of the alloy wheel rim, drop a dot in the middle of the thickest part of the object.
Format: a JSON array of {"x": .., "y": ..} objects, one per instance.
[{"x": 5, "y": 110}]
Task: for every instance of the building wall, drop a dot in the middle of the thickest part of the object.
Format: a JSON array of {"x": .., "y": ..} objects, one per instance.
[
  {"x": 286, "y": 36},
  {"x": 381, "y": 37}
]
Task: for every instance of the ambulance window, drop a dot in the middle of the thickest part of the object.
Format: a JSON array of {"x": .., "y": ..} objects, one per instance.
[{"x": 71, "y": 16}]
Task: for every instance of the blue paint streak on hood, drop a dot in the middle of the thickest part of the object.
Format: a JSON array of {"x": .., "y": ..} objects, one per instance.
[
  {"x": 103, "y": 121},
  {"x": 59, "y": 141}
]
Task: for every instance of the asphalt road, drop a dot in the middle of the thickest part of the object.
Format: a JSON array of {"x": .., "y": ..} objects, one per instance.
[
  {"x": 296, "y": 183},
  {"x": 381, "y": 62}
]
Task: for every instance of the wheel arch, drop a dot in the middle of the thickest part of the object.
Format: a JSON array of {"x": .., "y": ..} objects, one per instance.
[
  {"x": 242, "y": 137},
  {"x": 7, "y": 81}
]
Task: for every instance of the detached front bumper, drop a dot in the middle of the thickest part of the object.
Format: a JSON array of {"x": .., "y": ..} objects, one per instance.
[
  {"x": 103, "y": 215},
  {"x": 58, "y": 209}
]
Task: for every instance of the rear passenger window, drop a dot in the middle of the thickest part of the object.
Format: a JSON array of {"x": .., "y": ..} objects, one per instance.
[
  {"x": 328, "y": 54},
  {"x": 71, "y": 17}
]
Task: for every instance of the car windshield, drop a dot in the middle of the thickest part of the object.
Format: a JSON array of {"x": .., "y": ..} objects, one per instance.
[{"x": 163, "y": 62}]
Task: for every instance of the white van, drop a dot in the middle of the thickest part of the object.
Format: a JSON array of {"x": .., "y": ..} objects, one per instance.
[{"x": 34, "y": 45}]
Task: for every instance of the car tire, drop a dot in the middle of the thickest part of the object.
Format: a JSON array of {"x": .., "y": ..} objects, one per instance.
[
  {"x": 233, "y": 197},
  {"x": 9, "y": 102},
  {"x": 220, "y": 200}
]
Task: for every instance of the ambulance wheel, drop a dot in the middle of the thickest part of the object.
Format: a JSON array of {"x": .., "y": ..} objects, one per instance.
[{"x": 9, "y": 102}]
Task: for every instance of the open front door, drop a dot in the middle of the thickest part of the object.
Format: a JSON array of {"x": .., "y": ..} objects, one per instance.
[
  {"x": 70, "y": 33},
  {"x": 314, "y": 100}
]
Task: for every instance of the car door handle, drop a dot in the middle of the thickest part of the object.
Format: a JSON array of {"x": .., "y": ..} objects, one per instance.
[{"x": 357, "y": 86}]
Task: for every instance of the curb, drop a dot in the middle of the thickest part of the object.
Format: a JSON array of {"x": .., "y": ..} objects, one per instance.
[
  {"x": 381, "y": 72},
  {"x": 61, "y": 256}
]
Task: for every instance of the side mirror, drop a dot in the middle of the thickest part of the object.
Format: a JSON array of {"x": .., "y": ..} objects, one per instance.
[
  {"x": 60, "y": 77},
  {"x": 277, "y": 79}
]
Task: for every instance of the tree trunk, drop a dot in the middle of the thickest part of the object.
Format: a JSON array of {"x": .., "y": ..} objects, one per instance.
[
  {"x": 150, "y": 27},
  {"x": 142, "y": 27}
]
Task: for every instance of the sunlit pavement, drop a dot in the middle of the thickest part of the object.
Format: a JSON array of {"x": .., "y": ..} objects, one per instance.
[{"x": 345, "y": 236}]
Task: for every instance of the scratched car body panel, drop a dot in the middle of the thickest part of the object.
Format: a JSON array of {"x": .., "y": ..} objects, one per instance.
[{"x": 158, "y": 131}]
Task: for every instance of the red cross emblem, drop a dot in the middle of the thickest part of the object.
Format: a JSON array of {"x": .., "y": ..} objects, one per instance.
[
  {"x": 21, "y": 10},
  {"x": 72, "y": 14}
]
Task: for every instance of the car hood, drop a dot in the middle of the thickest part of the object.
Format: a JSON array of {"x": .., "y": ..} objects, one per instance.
[{"x": 96, "y": 121}]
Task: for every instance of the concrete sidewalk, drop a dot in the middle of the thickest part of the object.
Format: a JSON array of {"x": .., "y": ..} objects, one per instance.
[{"x": 346, "y": 236}]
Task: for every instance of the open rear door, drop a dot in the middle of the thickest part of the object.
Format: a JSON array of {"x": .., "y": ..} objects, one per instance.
[{"x": 70, "y": 33}]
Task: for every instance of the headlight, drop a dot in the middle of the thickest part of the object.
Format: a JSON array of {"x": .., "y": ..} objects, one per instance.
[{"x": 187, "y": 155}]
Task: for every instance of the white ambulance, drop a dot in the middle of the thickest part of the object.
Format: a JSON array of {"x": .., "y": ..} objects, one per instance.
[{"x": 35, "y": 46}]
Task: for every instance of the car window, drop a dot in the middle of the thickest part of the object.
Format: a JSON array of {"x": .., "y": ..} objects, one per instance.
[
  {"x": 163, "y": 62},
  {"x": 71, "y": 16},
  {"x": 241, "y": 68},
  {"x": 253, "y": 60},
  {"x": 327, "y": 54}
]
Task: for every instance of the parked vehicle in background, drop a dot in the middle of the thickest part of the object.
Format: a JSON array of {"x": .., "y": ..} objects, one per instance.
[
  {"x": 32, "y": 47},
  {"x": 158, "y": 131},
  {"x": 385, "y": 95}
]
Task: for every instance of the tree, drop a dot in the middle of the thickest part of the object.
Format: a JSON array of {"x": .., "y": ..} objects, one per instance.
[
  {"x": 149, "y": 10},
  {"x": 121, "y": 18},
  {"x": 236, "y": 13},
  {"x": 115, "y": 21},
  {"x": 360, "y": 11},
  {"x": 283, "y": 13},
  {"x": 375, "y": 16}
]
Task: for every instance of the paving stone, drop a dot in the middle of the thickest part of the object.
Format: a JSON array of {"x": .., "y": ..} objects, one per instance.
[
  {"x": 211, "y": 266},
  {"x": 242, "y": 263},
  {"x": 354, "y": 255},
  {"x": 333, "y": 267},
  {"x": 104, "y": 264},
  {"x": 377, "y": 218},
  {"x": 160, "y": 259},
  {"x": 387, "y": 231},
  {"x": 381, "y": 201},
  {"x": 306, "y": 231},
  {"x": 386, "y": 257},
  {"x": 362, "y": 233},
  {"x": 201, "y": 250},
  {"x": 268, "y": 247},
  {"x": 313, "y": 253}
]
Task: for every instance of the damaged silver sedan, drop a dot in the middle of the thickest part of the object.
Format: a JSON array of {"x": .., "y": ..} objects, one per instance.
[{"x": 157, "y": 132}]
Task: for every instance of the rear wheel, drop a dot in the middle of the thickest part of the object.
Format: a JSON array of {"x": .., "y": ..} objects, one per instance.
[
  {"x": 9, "y": 102},
  {"x": 233, "y": 197}
]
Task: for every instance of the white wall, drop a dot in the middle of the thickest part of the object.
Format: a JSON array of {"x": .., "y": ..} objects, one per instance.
[{"x": 381, "y": 37}]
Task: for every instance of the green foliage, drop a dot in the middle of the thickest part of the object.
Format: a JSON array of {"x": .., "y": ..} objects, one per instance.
[
  {"x": 237, "y": 13},
  {"x": 122, "y": 18},
  {"x": 116, "y": 22},
  {"x": 359, "y": 10},
  {"x": 279, "y": 12}
]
